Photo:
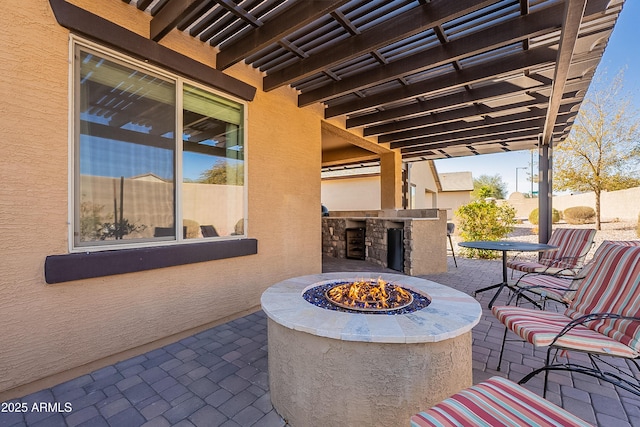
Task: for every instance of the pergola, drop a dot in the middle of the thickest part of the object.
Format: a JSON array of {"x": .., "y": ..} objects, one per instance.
[{"x": 428, "y": 79}]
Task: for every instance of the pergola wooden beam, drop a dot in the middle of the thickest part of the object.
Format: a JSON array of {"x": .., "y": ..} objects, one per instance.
[
  {"x": 239, "y": 11},
  {"x": 500, "y": 138},
  {"x": 503, "y": 34},
  {"x": 353, "y": 139},
  {"x": 404, "y": 25},
  {"x": 297, "y": 16},
  {"x": 481, "y": 132},
  {"x": 574, "y": 9},
  {"x": 486, "y": 123},
  {"x": 470, "y": 136},
  {"x": 170, "y": 15},
  {"x": 466, "y": 112},
  {"x": 450, "y": 100},
  {"x": 509, "y": 64}
]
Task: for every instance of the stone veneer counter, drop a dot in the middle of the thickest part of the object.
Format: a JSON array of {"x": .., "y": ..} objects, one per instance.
[
  {"x": 424, "y": 241},
  {"x": 330, "y": 367}
]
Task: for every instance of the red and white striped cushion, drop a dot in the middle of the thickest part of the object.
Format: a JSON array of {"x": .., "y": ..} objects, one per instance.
[
  {"x": 495, "y": 402},
  {"x": 536, "y": 267},
  {"x": 612, "y": 285},
  {"x": 541, "y": 327},
  {"x": 570, "y": 295},
  {"x": 552, "y": 287},
  {"x": 573, "y": 245}
]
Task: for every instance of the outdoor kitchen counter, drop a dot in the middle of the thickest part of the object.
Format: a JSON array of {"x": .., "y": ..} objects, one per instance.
[
  {"x": 335, "y": 368},
  {"x": 423, "y": 243}
]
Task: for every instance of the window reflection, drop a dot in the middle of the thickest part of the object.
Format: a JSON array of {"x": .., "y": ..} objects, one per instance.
[
  {"x": 125, "y": 152},
  {"x": 126, "y": 184},
  {"x": 213, "y": 165}
]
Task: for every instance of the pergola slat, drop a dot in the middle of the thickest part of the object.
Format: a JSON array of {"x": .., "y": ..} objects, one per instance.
[
  {"x": 508, "y": 64},
  {"x": 470, "y": 111},
  {"x": 285, "y": 23},
  {"x": 486, "y": 123},
  {"x": 503, "y": 34},
  {"x": 170, "y": 15},
  {"x": 481, "y": 132},
  {"x": 404, "y": 25},
  {"x": 502, "y": 137}
]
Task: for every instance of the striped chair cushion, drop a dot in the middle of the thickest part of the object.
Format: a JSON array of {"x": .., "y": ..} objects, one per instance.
[
  {"x": 612, "y": 285},
  {"x": 551, "y": 287},
  {"x": 495, "y": 402},
  {"x": 570, "y": 295},
  {"x": 536, "y": 267},
  {"x": 541, "y": 327},
  {"x": 573, "y": 245}
]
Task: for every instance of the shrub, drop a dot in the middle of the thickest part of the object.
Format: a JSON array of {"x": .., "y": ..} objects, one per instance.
[
  {"x": 534, "y": 218},
  {"x": 579, "y": 215},
  {"x": 483, "y": 220}
]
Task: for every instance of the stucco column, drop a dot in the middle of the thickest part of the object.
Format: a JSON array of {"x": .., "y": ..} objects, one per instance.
[{"x": 391, "y": 180}]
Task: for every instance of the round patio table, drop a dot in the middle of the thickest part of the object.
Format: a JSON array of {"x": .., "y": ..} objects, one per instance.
[{"x": 505, "y": 246}]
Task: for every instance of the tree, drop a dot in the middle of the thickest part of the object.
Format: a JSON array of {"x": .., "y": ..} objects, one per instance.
[
  {"x": 602, "y": 151},
  {"x": 489, "y": 186},
  {"x": 223, "y": 173}
]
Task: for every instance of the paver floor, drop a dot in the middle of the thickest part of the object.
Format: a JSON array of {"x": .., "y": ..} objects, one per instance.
[{"x": 219, "y": 377}]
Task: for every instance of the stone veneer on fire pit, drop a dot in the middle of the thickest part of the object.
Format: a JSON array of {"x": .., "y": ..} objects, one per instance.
[{"x": 335, "y": 368}]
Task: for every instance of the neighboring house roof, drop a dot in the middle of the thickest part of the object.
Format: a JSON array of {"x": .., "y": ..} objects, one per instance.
[
  {"x": 456, "y": 181},
  {"x": 148, "y": 177}
]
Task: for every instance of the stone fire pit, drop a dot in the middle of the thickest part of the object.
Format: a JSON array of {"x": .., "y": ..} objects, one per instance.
[{"x": 335, "y": 368}]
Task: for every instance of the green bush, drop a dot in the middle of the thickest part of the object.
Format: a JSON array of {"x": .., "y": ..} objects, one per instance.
[
  {"x": 579, "y": 215},
  {"x": 534, "y": 218},
  {"x": 483, "y": 220}
]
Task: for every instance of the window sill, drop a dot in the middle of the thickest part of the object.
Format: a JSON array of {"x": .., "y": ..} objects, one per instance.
[{"x": 86, "y": 265}]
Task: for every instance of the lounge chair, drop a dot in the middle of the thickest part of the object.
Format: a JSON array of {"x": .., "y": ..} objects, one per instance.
[
  {"x": 560, "y": 289},
  {"x": 601, "y": 321},
  {"x": 573, "y": 246}
]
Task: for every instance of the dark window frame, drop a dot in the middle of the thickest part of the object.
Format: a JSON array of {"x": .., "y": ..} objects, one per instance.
[{"x": 87, "y": 265}]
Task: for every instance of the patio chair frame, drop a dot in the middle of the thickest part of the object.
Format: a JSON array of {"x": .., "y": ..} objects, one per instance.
[
  {"x": 571, "y": 288},
  {"x": 619, "y": 378},
  {"x": 539, "y": 290},
  {"x": 603, "y": 289},
  {"x": 555, "y": 264}
]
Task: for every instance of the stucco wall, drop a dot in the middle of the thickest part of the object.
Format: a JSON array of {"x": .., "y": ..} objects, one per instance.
[
  {"x": 615, "y": 205},
  {"x": 452, "y": 200},
  {"x": 363, "y": 192},
  {"x": 426, "y": 189},
  {"x": 339, "y": 382},
  {"x": 351, "y": 193},
  {"x": 47, "y": 329}
]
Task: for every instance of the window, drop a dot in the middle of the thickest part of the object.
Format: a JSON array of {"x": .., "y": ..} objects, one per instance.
[{"x": 157, "y": 159}]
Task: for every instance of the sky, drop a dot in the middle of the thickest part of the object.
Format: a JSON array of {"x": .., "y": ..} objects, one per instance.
[{"x": 620, "y": 53}]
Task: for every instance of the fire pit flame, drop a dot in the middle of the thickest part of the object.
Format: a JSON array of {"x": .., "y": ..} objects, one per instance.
[{"x": 369, "y": 295}]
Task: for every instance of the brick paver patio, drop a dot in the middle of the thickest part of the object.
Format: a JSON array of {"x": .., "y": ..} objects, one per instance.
[{"x": 219, "y": 377}]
